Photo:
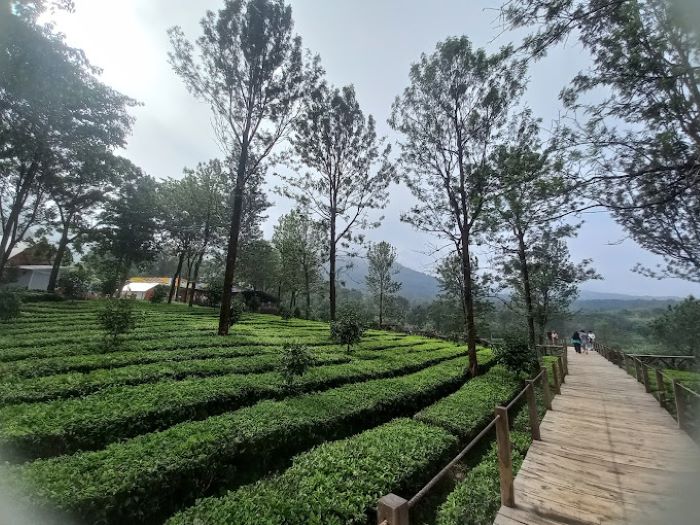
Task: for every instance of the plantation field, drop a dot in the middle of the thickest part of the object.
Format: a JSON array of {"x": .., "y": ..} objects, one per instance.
[{"x": 138, "y": 432}]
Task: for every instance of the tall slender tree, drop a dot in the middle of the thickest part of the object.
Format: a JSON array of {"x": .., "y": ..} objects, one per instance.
[
  {"x": 249, "y": 68},
  {"x": 78, "y": 193},
  {"x": 52, "y": 108},
  {"x": 350, "y": 170},
  {"x": 531, "y": 199},
  {"x": 451, "y": 117},
  {"x": 379, "y": 279},
  {"x": 637, "y": 113},
  {"x": 128, "y": 236},
  {"x": 211, "y": 198},
  {"x": 302, "y": 246}
]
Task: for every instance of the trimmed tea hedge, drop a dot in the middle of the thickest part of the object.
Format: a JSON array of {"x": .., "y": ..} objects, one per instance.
[
  {"x": 64, "y": 426},
  {"x": 335, "y": 483},
  {"x": 468, "y": 410},
  {"x": 154, "y": 474}
]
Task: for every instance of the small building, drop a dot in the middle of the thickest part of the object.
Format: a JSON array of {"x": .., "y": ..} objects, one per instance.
[
  {"x": 30, "y": 268},
  {"x": 143, "y": 287},
  {"x": 32, "y": 276},
  {"x": 139, "y": 290}
]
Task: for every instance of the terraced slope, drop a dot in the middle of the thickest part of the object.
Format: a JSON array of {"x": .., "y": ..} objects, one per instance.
[{"x": 175, "y": 413}]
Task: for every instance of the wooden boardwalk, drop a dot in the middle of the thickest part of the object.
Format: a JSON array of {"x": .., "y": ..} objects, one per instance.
[{"x": 609, "y": 454}]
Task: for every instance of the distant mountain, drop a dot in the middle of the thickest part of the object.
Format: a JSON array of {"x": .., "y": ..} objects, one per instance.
[
  {"x": 419, "y": 286},
  {"x": 590, "y": 295},
  {"x": 415, "y": 285}
]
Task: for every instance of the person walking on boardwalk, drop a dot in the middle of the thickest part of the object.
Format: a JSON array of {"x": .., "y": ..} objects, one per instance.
[
  {"x": 576, "y": 341},
  {"x": 591, "y": 339},
  {"x": 584, "y": 340}
]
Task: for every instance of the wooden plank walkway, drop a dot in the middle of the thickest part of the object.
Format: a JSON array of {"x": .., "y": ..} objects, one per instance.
[{"x": 609, "y": 454}]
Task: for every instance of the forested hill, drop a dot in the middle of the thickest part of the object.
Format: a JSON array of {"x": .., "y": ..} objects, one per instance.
[{"x": 415, "y": 285}]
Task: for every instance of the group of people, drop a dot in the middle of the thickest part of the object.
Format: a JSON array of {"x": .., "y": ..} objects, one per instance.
[{"x": 583, "y": 340}]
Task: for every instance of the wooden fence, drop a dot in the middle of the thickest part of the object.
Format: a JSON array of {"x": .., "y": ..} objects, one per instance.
[
  {"x": 685, "y": 403},
  {"x": 395, "y": 510}
]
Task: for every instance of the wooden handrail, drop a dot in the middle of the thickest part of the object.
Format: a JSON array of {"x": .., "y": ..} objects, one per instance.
[
  {"x": 641, "y": 373},
  {"x": 394, "y": 510}
]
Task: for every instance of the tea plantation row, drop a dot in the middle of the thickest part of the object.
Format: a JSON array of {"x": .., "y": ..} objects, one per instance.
[{"x": 138, "y": 432}]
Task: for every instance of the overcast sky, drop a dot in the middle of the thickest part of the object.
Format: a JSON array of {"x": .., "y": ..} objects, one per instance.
[{"x": 368, "y": 43}]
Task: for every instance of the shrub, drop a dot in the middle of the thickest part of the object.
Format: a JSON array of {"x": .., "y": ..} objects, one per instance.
[
  {"x": 515, "y": 354},
  {"x": 160, "y": 292},
  {"x": 215, "y": 289},
  {"x": 252, "y": 302},
  {"x": 294, "y": 362},
  {"x": 347, "y": 330},
  {"x": 10, "y": 303},
  {"x": 117, "y": 318},
  {"x": 297, "y": 312},
  {"x": 74, "y": 284},
  {"x": 285, "y": 313},
  {"x": 237, "y": 309}
]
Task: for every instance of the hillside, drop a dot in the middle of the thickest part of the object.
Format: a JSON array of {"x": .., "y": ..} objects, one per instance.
[{"x": 415, "y": 285}]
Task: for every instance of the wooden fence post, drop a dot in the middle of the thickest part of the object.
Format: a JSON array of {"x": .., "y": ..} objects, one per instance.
[
  {"x": 680, "y": 413},
  {"x": 565, "y": 360},
  {"x": 505, "y": 461},
  {"x": 562, "y": 370},
  {"x": 532, "y": 410},
  {"x": 545, "y": 388},
  {"x": 660, "y": 386},
  {"x": 555, "y": 376},
  {"x": 645, "y": 378},
  {"x": 637, "y": 371},
  {"x": 392, "y": 510}
]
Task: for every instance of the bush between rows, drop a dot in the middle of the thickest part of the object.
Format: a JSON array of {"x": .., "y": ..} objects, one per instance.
[
  {"x": 148, "y": 477},
  {"x": 64, "y": 426}
]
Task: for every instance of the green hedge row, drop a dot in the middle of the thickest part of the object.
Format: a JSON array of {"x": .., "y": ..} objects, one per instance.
[
  {"x": 63, "y": 426},
  {"x": 35, "y": 367},
  {"x": 78, "y": 384},
  {"x": 150, "y": 476},
  {"x": 318, "y": 488},
  {"x": 468, "y": 410},
  {"x": 160, "y": 342},
  {"x": 88, "y": 374},
  {"x": 335, "y": 483}
]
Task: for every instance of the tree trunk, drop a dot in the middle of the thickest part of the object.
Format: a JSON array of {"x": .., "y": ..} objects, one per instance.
[
  {"x": 195, "y": 277},
  {"x": 123, "y": 277},
  {"x": 527, "y": 290},
  {"x": 175, "y": 284},
  {"x": 469, "y": 303},
  {"x": 381, "y": 307},
  {"x": 307, "y": 291},
  {"x": 331, "y": 284},
  {"x": 189, "y": 278},
  {"x": 56, "y": 268},
  {"x": 232, "y": 249},
  {"x": 9, "y": 233}
]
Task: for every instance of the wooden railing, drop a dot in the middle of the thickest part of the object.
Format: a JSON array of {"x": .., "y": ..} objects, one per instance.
[
  {"x": 642, "y": 365},
  {"x": 395, "y": 510}
]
